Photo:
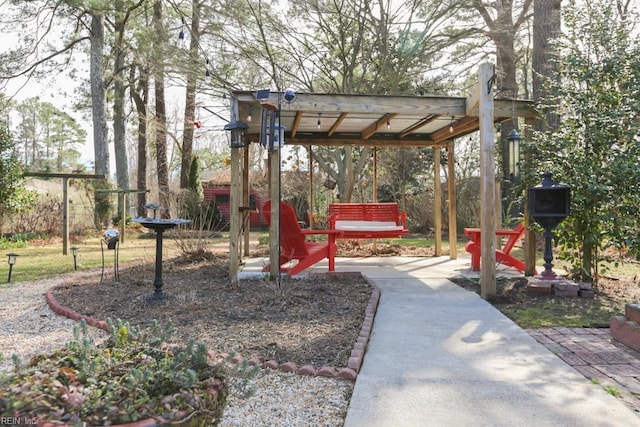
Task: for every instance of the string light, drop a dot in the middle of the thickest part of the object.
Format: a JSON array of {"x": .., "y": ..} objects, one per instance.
[
  {"x": 319, "y": 122},
  {"x": 451, "y": 125}
]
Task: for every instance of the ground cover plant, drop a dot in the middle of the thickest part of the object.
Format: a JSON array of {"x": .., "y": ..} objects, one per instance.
[{"x": 134, "y": 375}]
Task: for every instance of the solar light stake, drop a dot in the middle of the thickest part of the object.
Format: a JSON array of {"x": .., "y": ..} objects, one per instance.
[
  {"x": 12, "y": 260},
  {"x": 74, "y": 251}
]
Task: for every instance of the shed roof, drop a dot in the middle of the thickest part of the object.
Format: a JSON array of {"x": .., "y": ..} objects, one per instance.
[{"x": 373, "y": 120}]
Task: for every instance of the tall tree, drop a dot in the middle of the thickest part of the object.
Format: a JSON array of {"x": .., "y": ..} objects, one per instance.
[
  {"x": 49, "y": 138},
  {"x": 119, "y": 90},
  {"x": 502, "y": 22},
  {"x": 594, "y": 148},
  {"x": 140, "y": 95},
  {"x": 162, "y": 164},
  {"x": 190, "y": 96},
  {"x": 546, "y": 28}
]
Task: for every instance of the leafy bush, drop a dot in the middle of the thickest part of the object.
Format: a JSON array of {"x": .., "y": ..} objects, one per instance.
[
  {"x": 40, "y": 216},
  {"x": 134, "y": 375}
]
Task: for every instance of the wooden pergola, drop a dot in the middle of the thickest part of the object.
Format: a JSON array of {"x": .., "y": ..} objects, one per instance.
[{"x": 376, "y": 121}]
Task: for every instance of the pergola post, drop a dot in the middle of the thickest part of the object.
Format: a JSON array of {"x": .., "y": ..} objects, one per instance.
[
  {"x": 235, "y": 197},
  {"x": 452, "y": 207},
  {"x": 486, "y": 78},
  {"x": 246, "y": 197},
  {"x": 374, "y": 184},
  {"x": 274, "y": 226},
  {"x": 311, "y": 195},
  {"x": 529, "y": 236},
  {"x": 437, "y": 201},
  {"x": 234, "y": 207}
]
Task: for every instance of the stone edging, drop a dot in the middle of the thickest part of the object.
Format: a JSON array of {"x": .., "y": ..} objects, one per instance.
[{"x": 348, "y": 373}]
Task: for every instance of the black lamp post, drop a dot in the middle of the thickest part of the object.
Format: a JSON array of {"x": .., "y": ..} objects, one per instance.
[
  {"x": 549, "y": 204},
  {"x": 514, "y": 139},
  {"x": 237, "y": 133},
  {"x": 12, "y": 260},
  {"x": 74, "y": 251}
]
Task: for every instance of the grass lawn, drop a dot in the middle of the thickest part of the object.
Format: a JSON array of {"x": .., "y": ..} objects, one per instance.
[{"x": 44, "y": 261}]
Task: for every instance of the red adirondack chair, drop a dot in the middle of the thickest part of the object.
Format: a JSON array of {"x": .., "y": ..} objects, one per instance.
[
  {"x": 503, "y": 254},
  {"x": 293, "y": 243}
]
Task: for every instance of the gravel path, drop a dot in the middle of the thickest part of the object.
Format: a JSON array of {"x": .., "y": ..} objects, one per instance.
[{"x": 28, "y": 327}]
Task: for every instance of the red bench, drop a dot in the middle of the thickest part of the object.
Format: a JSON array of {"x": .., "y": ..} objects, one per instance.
[
  {"x": 367, "y": 220},
  {"x": 503, "y": 255}
]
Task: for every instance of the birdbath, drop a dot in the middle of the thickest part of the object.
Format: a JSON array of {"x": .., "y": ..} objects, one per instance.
[{"x": 159, "y": 225}]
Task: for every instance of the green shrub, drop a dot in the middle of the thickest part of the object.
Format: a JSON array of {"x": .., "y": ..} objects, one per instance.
[{"x": 134, "y": 375}]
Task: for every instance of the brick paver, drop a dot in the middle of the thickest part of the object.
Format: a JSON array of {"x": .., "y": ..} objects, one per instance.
[{"x": 597, "y": 356}]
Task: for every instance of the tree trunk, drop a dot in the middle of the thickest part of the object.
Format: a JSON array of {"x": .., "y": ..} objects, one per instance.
[
  {"x": 140, "y": 98},
  {"x": 161, "y": 116},
  {"x": 190, "y": 99},
  {"x": 546, "y": 27},
  {"x": 98, "y": 95},
  {"x": 119, "y": 142}
]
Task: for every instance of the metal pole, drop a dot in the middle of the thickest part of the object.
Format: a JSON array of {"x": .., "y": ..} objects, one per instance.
[{"x": 157, "y": 283}]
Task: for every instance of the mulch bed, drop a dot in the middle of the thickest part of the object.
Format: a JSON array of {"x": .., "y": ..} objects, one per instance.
[{"x": 313, "y": 321}]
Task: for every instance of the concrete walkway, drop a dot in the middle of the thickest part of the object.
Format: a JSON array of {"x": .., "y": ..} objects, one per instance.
[{"x": 439, "y": 355}]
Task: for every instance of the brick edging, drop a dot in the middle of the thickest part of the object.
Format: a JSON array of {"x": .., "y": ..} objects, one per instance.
[{"x": 350, "y": 372}]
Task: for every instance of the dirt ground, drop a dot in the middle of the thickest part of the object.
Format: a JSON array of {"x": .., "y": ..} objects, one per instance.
[{"x": 304, "y": 321}]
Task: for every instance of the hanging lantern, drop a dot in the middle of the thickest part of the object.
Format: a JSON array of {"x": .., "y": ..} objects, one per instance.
[{"x": 237, "y": 133}]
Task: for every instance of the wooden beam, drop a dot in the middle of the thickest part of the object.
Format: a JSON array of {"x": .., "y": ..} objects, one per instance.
[
  {"x": 235, "y": 196},
  {"x": 274, "y": 226},
  {"x": 487, "y": 183},
  {"x": 374, "y": 186},
  {"x": 371, "y": 142},
  {"x": 529, "y": 236},
  {"x": 373, "y": 127},
  {"x": 246, "y": 197},
  {"x": 437, "y": 201},
  {"x": 452, "y": 207},
  {"x": 311, "y": 195},
  {"x": 376, "y": 104},
  {"x": 419, "y": 124},
  {"x": 64, "y": 175},
  {"x": 336, "y": 124},
  {"x": 473, "y": 102},
  {"x": 460, "y": 127},
  {"x": 234, "y": 213},
  {"x": 296, "y": 123}
]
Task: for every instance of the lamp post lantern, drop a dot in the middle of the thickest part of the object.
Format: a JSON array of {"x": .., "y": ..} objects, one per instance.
[
  {"x": 237, "y": 133},
  {"x": 549, "y": 204},
  {"x": 12, "y": 260}
]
